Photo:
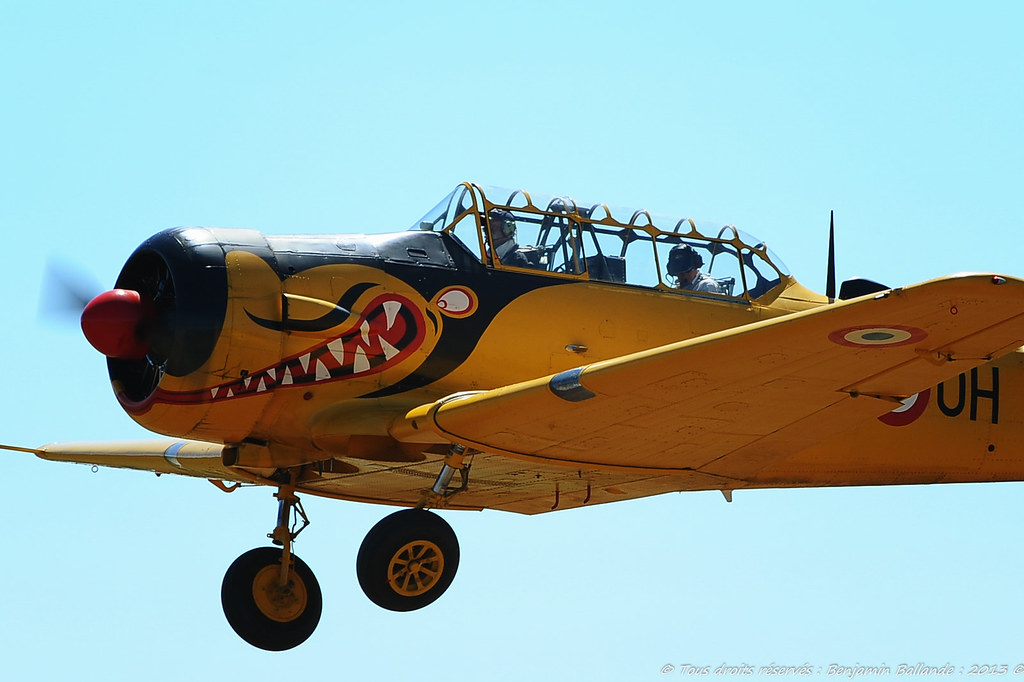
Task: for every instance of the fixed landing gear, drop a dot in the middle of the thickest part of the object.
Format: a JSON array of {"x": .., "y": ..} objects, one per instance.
[
  {"x": 270, "y": 597},
  {"x": 273, "y": 601}
]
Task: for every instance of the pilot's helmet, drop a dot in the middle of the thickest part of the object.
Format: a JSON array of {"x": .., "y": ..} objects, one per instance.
[
  {"x": 502, "y": 222},
  {"x": 683, "y": 258}
]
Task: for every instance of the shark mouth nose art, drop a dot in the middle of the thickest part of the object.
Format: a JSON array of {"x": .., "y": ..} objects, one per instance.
[{"x": 383, "y": 337}]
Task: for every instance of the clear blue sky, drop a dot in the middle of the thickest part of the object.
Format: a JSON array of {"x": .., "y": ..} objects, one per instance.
[{"x": 121, "y": 119}]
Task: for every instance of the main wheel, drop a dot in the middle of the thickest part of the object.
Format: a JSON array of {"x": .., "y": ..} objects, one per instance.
[
  {"x": 407, "y": 560},
  {"x": 265, "y": 613}
]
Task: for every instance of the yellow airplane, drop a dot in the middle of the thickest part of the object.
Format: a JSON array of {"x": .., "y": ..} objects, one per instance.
[{"x": 529, "y": 353}]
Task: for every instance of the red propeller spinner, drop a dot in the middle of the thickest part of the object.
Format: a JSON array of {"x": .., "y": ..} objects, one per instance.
[{"x": 118, "y": 324}]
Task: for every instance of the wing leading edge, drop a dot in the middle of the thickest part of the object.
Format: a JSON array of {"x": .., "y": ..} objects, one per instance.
[{"x": 728, "y": 404}]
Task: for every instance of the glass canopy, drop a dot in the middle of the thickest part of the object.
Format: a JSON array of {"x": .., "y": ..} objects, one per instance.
[{"x": 558, "y": 236}]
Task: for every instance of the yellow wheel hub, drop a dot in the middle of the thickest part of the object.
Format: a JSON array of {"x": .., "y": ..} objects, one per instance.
[
  {"x": 281, "y": 603},
  {"x": 415, "y": 568}
]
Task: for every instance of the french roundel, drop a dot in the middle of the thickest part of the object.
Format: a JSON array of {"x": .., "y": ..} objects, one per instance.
[
  {"x": 880, "y": 336},
  {"x": 912, "y": 408}
]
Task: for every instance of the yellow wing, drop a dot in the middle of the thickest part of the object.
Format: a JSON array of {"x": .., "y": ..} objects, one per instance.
[{"x": 728, "y": 404}]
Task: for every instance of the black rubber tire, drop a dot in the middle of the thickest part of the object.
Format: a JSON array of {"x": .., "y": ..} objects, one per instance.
[
  {"x": 423, "y": 533},
  {"x": 246, "y": 617}
]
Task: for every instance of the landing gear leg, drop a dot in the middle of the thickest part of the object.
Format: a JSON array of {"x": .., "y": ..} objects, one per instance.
[
  {"x": 286, "y": 531},
  {"x": 409, "y": 558},
  {"x": 270, "y": 597},
  {"x": 454, "y": 461}
]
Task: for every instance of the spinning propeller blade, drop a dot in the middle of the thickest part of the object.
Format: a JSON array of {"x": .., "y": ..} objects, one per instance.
[{"x": 66, "y": 291}]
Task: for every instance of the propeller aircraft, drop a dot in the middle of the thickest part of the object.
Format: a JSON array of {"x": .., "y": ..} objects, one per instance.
[{"x": 530, "y": 353}]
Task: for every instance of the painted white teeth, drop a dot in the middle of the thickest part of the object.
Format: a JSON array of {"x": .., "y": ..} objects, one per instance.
[
  {"x": 391, "y": 309},
  {"x": 360, "y": 364},
  {"x": 389, "y": 350},
  {"x": 337, "y": 350}
]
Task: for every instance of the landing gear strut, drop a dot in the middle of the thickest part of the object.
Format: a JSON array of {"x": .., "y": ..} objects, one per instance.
[{"x": 270, "y": 597}]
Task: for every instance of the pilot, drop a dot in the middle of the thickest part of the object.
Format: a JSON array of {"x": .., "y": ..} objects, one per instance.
[
  {"x": 684, "y": 264},
  {"x": 502, "y": 229}
]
